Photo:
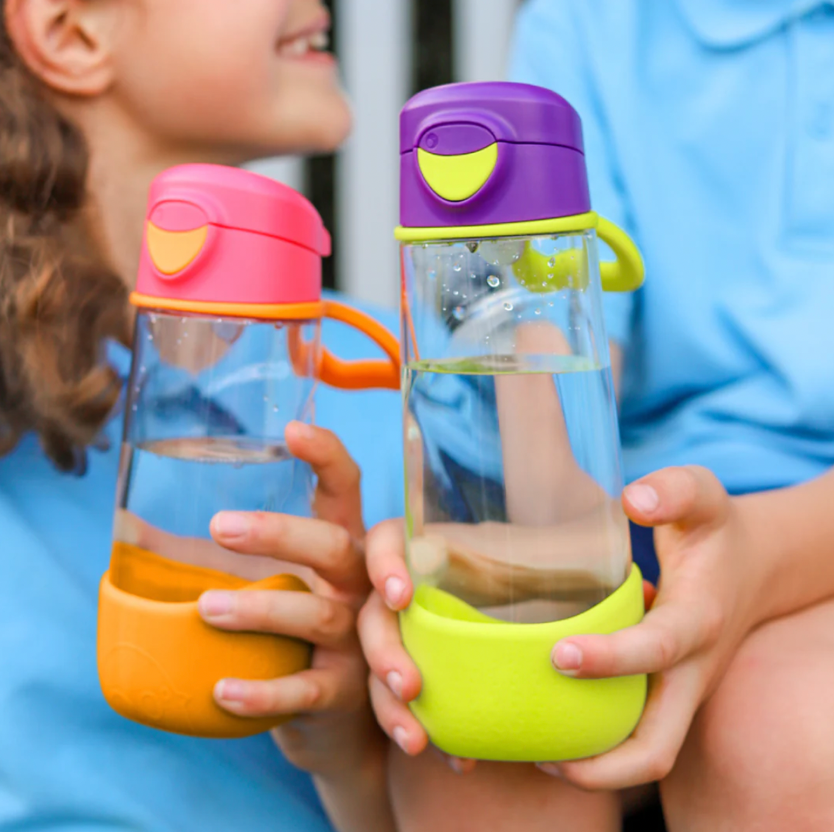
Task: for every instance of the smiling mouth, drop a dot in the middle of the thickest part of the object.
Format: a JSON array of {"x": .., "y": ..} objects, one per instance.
[{"x": 313, "y": 40}]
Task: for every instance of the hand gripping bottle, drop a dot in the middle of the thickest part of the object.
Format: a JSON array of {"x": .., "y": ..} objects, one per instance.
[
  {"x": 515, "y": 533},
  {"x": 226, "y": 353}
]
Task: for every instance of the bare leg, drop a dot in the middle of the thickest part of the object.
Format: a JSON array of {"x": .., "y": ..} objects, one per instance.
[
  {"x": 495, "y": 796},
  {"x": 760, "y": 754}
]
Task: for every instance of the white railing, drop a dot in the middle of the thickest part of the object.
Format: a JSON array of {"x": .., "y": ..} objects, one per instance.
[{"x": 375, "y": 44}]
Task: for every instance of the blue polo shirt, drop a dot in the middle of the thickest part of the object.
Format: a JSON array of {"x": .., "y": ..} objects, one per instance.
[
  {"x": 709, "y": 135},
  {"x": 67, "y": 762}
]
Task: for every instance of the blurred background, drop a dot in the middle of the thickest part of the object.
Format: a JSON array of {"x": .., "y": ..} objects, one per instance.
[{"x": 413, "y": 44}]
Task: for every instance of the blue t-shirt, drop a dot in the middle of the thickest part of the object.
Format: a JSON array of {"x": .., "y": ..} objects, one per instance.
[
  {"x": 709, "y": 136},
  {"x": 67, "y": 762}
]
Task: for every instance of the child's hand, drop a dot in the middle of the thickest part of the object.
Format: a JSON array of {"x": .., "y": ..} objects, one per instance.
[
  {"x": 334, "y": 726},
  {"x": 473, "y": 571},
  {"x": 395, "y": 679},
  {"x": 703, "y": 610}
]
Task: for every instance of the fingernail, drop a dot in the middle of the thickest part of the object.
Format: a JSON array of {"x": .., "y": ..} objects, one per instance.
[
  {"x": 394, "y": 591},
  {"x": 401, "y": 737},
  {"x": 395, "y": 682},
  {"x": 644, "y": 498},
  {"x": 567, "y": 657},
  {"x": 230, "y": 525},
  {"x": 550, "y": 768},
  {"x": 304, "y": 430},
  {"x": 216, "y": 603},
  {"x": 231, "y": 690}
]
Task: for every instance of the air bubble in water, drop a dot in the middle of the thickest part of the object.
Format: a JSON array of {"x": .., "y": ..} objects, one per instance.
[
  {"x": 493, "y": 280},
  {"x": 458, "y": 313},
  {"x": 508, "y": 306}
]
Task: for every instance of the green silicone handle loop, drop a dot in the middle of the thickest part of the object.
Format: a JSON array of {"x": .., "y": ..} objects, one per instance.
[
  {"x": 543, "y": 273},
  {"x": 490, "y": 692},
  {"x": 626, "y": 273}
]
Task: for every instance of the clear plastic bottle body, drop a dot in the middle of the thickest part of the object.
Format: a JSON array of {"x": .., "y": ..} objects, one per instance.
[
  {"x": 206, "y": 408},
  {"x": 512, "y": 456}
]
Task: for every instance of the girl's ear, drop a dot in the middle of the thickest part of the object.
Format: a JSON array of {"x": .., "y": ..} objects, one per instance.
[{"x": 67, "y": 44}]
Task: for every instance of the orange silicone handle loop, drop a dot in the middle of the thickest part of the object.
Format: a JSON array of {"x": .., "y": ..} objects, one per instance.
[{"x": 360, "y": 375}]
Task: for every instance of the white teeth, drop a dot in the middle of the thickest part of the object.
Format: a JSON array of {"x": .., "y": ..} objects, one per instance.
[
  {"x": 320, "y": 41},
  {"x": 302, "y": 45},
  {"x": 296, "y": 48}
]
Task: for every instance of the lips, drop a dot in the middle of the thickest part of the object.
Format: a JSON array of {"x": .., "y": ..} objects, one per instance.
[{"x": 314, "y": 38}]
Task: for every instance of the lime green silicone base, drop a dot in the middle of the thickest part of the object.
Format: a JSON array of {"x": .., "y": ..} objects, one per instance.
[{"x": 491, "y": 693}]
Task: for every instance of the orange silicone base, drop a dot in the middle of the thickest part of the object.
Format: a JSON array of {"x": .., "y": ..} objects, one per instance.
[{"x": 158, "y": 661}]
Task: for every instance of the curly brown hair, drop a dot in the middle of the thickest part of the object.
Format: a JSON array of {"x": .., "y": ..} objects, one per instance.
[{"x": 59, "y": 302}]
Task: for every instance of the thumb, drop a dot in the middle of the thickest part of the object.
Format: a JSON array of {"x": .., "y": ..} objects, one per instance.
[{"x": 687, "y": 497}]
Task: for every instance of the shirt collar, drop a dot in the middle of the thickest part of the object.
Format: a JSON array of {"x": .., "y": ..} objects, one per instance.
[{"x": 731, "y": 23}]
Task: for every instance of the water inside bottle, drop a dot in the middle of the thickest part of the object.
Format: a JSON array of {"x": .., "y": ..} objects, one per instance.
[
  {"x": 513, "y": 483},
  {"x": 170, "y": 489}
]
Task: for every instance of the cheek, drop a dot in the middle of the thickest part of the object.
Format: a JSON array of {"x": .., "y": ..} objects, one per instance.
[
  {"x": 186, "y": 60},
  {"x": 188, "y": 90}
]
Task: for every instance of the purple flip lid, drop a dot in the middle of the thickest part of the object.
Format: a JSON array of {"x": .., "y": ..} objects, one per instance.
[
  {"x": 536, "y": 171},
  {"x": 499, "y": 111}
]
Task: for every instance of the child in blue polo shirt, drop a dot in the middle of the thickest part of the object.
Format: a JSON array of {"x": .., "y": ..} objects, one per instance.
[{"x": 709, "y": 136}]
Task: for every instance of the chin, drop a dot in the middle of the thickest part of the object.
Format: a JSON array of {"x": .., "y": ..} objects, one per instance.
[
  {"x": 331, "y": 131},
  {"x": 313, "y": 121}
]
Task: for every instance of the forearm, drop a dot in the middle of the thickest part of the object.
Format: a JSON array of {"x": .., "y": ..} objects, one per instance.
[
  {"x": 356, "y": 797},
  {"x": 791, "y": 551}
]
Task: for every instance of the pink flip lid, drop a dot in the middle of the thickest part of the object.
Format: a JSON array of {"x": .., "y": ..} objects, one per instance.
[{"x": 217, "y": 234}]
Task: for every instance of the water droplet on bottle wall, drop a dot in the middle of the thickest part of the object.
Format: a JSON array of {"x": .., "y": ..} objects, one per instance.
[
  {"x": 551, "y": 262},
  {"x": 537, "y": 312},
  {"x": 493, "y": 281},
  {"x": 473, "y": 275},
  {"x": 275, "y": 408},
  {"x": 508, "y": 306},
  {"x": 458, "y": 313},
  {"x": 472, "y": 245}
]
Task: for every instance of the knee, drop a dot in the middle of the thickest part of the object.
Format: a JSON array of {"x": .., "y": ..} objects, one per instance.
[{"x": 760, "y": 753}]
